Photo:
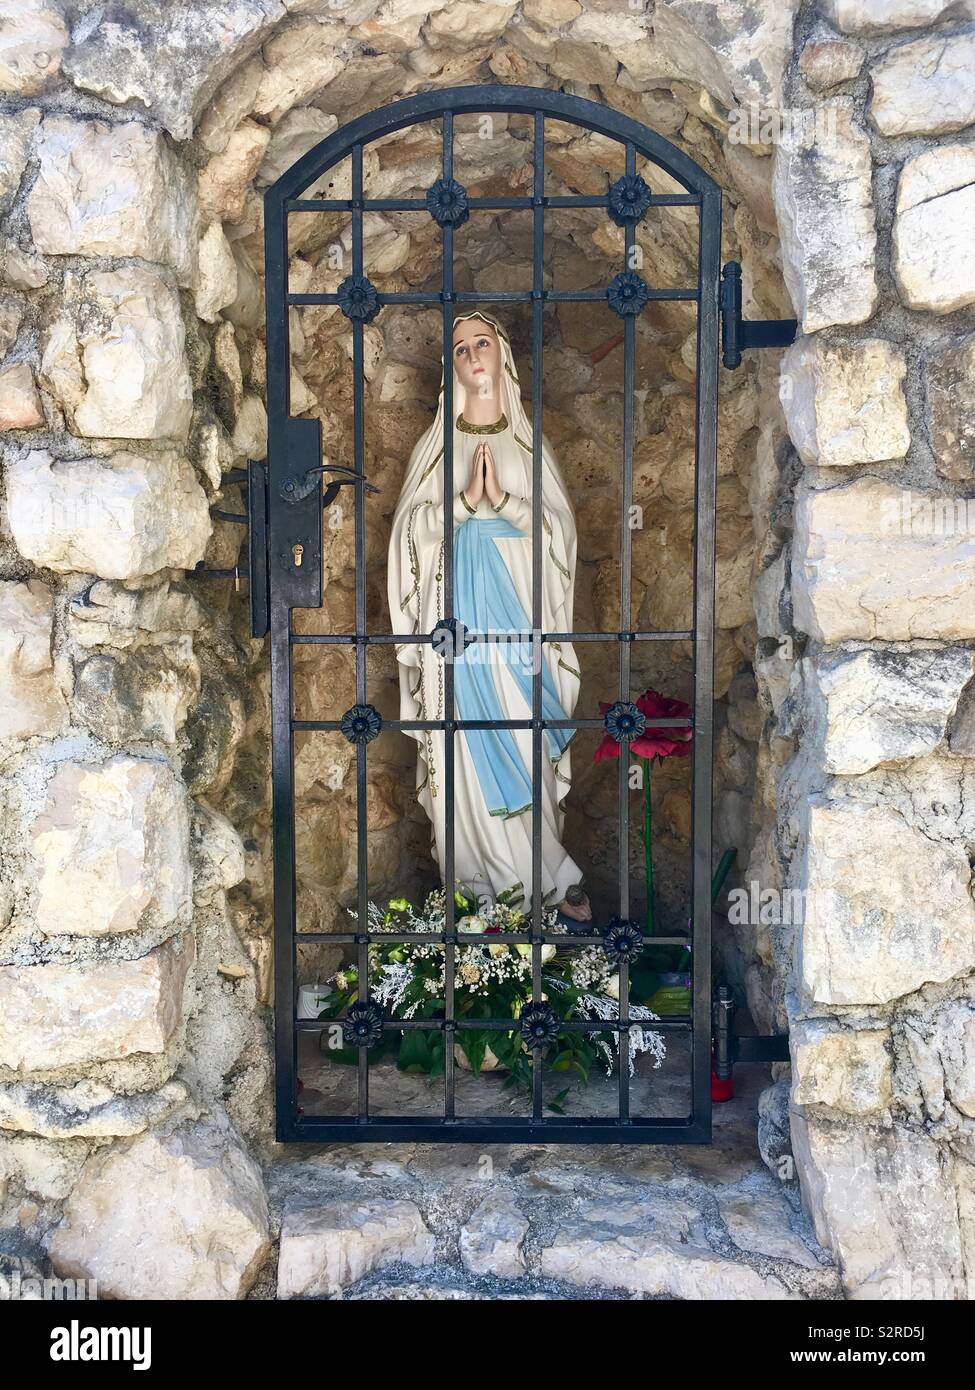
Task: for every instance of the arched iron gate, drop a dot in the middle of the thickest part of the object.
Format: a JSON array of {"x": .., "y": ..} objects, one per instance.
[{"x": 294, "y": 566}]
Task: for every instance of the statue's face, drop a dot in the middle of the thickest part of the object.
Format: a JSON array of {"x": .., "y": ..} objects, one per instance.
[{"x": 477, "y": 358}]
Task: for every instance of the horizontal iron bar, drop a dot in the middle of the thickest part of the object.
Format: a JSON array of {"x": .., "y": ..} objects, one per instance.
[
  {"x": 329, "y": 725},
  {"x": 317, "y": 938},
  {"x": 328, "y": 638},
  {"x": 493, "y": 297},
  {"x": 672, "y": 1023},
  {"x": 768, "y": 1048},
  {"x": 561, "y": 200},
  {"x": 202, "y": 573},
  {"x": 221, "y": 515},
  {"x": 433, "y": 1129}
]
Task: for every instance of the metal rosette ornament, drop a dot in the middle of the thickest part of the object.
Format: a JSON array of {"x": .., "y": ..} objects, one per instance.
[
  {"x": 624, "y": 720},
  {"x": 628, "y": 200},
  {"x": 447, "y": 203},
  {"x": 539, "y": 1025},
  {"x": 358, "y": 298},
  {"x": 623, "y": 940},
  {"x": 627, "y": 294},
  {"x": 363, "y": 1025},
  {"x": 361, "y": 723}
]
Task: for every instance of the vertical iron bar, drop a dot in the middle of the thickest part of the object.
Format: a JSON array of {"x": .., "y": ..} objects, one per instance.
[
  {"x": 709, "y": 256},
  {"x": 362, "y": 772},
  {"x": 450, "y": 713},
  {"x": 538, "y": 654},
  {"x": 626, "y": 624},
  {"x": 282, "y": 736}
]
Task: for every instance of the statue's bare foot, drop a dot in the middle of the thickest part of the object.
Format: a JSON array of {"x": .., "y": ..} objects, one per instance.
[{"x": 579, "y": 912}]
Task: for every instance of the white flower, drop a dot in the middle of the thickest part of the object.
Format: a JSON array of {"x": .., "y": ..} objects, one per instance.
[
  {"x": 471, "y": 926},
  {"x": 612, "y": 987},
  {"x": 548, "y": 951}
]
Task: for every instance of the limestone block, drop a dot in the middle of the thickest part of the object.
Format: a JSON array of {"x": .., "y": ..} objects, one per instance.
[
  {"x": 111, "y": 848},
  {"x": 324, "y": 1249},
  {"x": 223, "y": 181},
  {"x": 653, "y": 1246},
  {"x": 942, "y": 1047},
  {"x": 846, "y": 1069},
  {"x": 108, "y": 615},
  {"x": 926, "y": 87},
  {"x": 876, "y": 561},
  {"x": 459, "y": 26},
  {"x": 951, "y": 408},
  {"x": 822, "y": 185},
  {"x": 128, "y": 55},
  {"x": 827, "y": 59},
  {"x": 117, "y": 361},
  {"x": 142, "y": 695},
  {"x": 112, "y": 190},
  {"x": 299, "y": 61},
  {"x": 33, "y": 37},
  {"x": 232, "y": 103},
  {"x": 216, "y": 283},
  {"x": 492, "y": 1239},
  {"x": 751, "y": 42},
  {"x": 868, "y": 938},
  {"x": 119, "y": 517},
  {"x": 196, "y": 1199},
  {"x": 54, "y": 1016},
  {"x": 16, "y": 133},
  {"x": 934, "y": 227},
  {"x": 86, "y": 1110},
  {"x": 844, "y": 404},
  {"x": 874, "y": 706},
  {"x": 293, "y": 136},
  {"x": 760, "y": 1224},
  {"x": 30, "y": 699},
  {"x": 883, "y": 16},
  {"x": 884, "y": 1202},
  {"x": 20, "y": 403}
]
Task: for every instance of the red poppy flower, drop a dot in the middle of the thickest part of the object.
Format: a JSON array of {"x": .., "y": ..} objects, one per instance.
[{"x": 674, "y": 741}]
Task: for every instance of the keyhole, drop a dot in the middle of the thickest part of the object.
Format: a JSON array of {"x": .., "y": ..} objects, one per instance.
[{"x": 297, "y": 551}]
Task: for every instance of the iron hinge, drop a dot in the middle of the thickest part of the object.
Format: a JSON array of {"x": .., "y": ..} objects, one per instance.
[
  {"x": 731, "y": 1047},
  {"x": 738, "y": 334},
  {"x": 254, "y": 476}
]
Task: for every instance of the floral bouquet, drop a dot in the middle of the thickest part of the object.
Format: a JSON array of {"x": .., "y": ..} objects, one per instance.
[{"x": 492, "y": 980}]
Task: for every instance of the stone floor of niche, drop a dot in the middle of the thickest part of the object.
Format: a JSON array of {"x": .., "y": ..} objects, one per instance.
[{"x": 545, "y": 1221}]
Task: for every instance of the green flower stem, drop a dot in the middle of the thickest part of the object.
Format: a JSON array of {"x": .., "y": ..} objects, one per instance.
[{"x": 648, "y": 843}]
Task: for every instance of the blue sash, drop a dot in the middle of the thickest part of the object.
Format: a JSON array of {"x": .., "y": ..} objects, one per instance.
[{"x": 485, "y": 600}]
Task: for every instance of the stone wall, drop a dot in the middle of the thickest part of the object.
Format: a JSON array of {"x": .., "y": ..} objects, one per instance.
[{"x": 133, "y": 726}]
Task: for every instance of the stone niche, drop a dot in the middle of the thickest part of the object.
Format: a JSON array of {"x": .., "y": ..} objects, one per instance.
[{"x": 136, "y": 837}]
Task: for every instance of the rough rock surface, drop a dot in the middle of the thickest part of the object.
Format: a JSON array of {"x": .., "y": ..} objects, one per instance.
[
  {"x": 868, "y": 941},
  {"x": 867, "y": 707},
  {"x": 933, "y": 228},
  {"x": 926, "y": 87},
  {"x": 118, "y": 517},
  {"x": 326, "y": 1248},
  {"x": 845, "y": 404},
  {"x": 117, "y": 361},
  {"x": 31, "y": 701},
  {"x": 54, "y": 1016},
  {"x": 951, "y": 408},
  {"x": 33, "y": 37},
  {"x": 203, "y": 1232},
  {"x": 110, "y": 849},
  {"x": 492, "y": 1240},
  {"x": 877, "y": 561},
  {"x": 112, "y": 190},
  {"x": 169, "y": 60},
  {"x": 824, "y": 201}
]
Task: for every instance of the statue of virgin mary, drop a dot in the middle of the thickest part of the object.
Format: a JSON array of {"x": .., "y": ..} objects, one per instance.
[{"x": 492, "y": 512}]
